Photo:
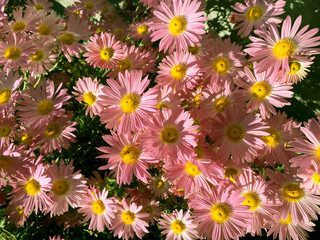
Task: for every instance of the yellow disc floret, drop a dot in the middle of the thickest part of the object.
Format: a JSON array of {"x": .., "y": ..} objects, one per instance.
[
  {"x": 169, "y": 135},
  {"x": 235, "y": 133},
  {"x": 199, "y": 151},
  {"x": 194, "y": 50},
  {"x": 230, "y": 172},
  {"x": 160, "y": 184},
  {"x": 192, "y": 169},
  {"x": 316, "y": 178},
  {"x": 44, "y": 30},
  {"x": 254, "y": 13},
  {"x": 318, "y": 153},
  {"x": 38, "y": 56},
  {"x": 125, "y": 64},
  {"x": 143, "y": 29},
  {"x": 38, "y": 6},
  {"x": 19, "y": 26},
  {"x": 32, "y": 187},
  {"x": 220, "y": 104},
  {"x": 89, "y": 98},
  {"x": 177, "y": 25},
  {"x": 129, "y": 103},
  {"x": 5, "y": 95},
  {"x": 273, "y": 139},
  {"x": 284, "y": 48},
  {"x": 61, "y": 187},
  {"x": 260, "y": 90},
  {"x": 53, "y": 130},
  {"x": 130, "y": 154},
  {"x": 12, "y": 53},
  {"x": 128, "y": 217},
  {"x": 98, "y": 207},
  {"x": 252, "y": 199},
  {"x": 5, "y": 131},
  {"x": 45, "y": 107},
  {"x": 220, "y": 212},
  {"x": 178, "y": 227},
  {"x": 178, "y": 72},
  {"x": 5, "y": 162},
  {"x": 292, "y": 192},
  {"x": 67, "y": 38},
  {"x": 106, "y": 54},
  {"x": 89, "y": 5},
  {"x": 294, "y": 68},
  {"x": 221, "y": 65}
]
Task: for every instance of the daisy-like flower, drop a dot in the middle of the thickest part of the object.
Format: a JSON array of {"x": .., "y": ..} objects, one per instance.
[
  {"x": 310, "y": 149},
  {"x": 89, "y": 91},
  {"x": 311, "y": 179},
  {"x": 179, "y": 71},
  {"x": 103, "y": 51},
  {"x": 263, "y": 91},
  {"x": 167, "y": 98},
  {"x": 178, "y": 225},
  {"x": 159, "y": 186},
  {"x": 258, "y": 197},
  {"x": 91, "y": 6},
  {"x": 67, "y": 187},
  {"x": 222, "y": 61},
  {"x": 8, "y": 86},
  {"x": 96, "y": 206},
  {"x": 57, "y": 134},
  {"x": 126, "y": 156},
  {"x": 140, "y": 30},
  {"x": 298, "y": 69},
  {"x": 220, "y": 212},
  {"x": 153, "y": 209},
  {"x": 128, "y": 107},
  {"x": 49, "y": 25},
  {"x": 257, "y": 14},
  {"x": 43, "y": 58},
  {"x": 172, "y": 135},
  {"x": 39, "y": 105},
  {"x": 299, "y": 202},
  {"x": 8, "y": 128},
  {"x": 22, "y": 22},
  {"x": 16, "y": 214},
  {"x": 14, "y": 51},
  {"x": 178, "y": 24},
  {"x": 237, "y": 133},
  {"x": 128, "y": 220},
  {"x": 77, "y": 30},
  {"x": 287, "y": 230},
  {"x": 275, "y": 51},
  {"x": 39, "y": 5},
  {"x": 30, "y": 189}
]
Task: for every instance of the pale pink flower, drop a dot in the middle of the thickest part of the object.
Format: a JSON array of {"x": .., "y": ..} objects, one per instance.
[
  {"x": 92, "y": 6},
  {"x": 127, "y": 106},
  {"x": 178, "y": 226},
  {"x": 275, "y": 51},
  {"x": 96, "y": 206},
  {"x": 159, "y": 186},
  {"x": 167, "y": 98},
  {"x": 39, "y": 5},
  {"x": 8, "y": 127},
  {"x": 178, "y": 24},
  {"x": 9, "y": 84},
  {"x": 49, "y": 25},
  {"x": 16, "y": 214},
  {"x": 299, "y": 68},
  {"x": 311, "y": 178},
  {"x": 140, "y": 30}
]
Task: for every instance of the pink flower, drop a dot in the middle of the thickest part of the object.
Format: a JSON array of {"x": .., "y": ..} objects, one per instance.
[
  {"x": 96, "y": 206},
  {"x": 39, "y": 5},
  {"x": 178, "y": 24},
  {"x": 140, "y": 30},
  {"x": 9, "y": 85},
  {"x": 127, "y": 156},
  {"x": 275, "y": 51},
  {"x": 311, "y": 178},
  {"x": 49, "y": 25},
  {"x": 298, "y": 69},
  {"x": 127, "y": 106}
]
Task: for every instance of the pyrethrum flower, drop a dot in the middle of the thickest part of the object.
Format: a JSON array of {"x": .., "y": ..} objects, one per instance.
[
  {"x": 178, "y": 24},
  {"x": 96, "y": 206},
  {"x": 298, "y": 69},
  {"x": 8, "y": 88}
]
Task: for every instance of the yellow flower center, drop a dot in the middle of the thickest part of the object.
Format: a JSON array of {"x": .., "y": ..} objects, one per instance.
[
  {"x": 5, "y": 162},
  {"x": 254, "y": 13},
  {"x": 98, "y": 207},
  {"x": 220, "y": 212},
  {"x": 61, "y": 187},
  {"x": 318, "y": 153},
  {"x": 26, "y": 138},
  {"x": 221, "y": 103},
  {"x": 288, "y": 220},
  {"x": 200, "y": 153},
  {"x": 178, "y": 227},
  {"x": 284, "y": 48},
  {"x": 147, "y": 209},
  {"x": 316, "y": 178},
  {"x": 252, "y": 199},
  {"x": 177, "y": 25},
  {"x": 143, "y": 29},
  {"x": 5, "y": 131},
  {"x": 192, "y": 169},
  {"x": 105, "y": 9},
  {"x": 169, "y": 135},
  {"x": 260, "y": 90},
  {"x": 38, "y": 56},
  {"x": 273, "y": 139},
  {"x": 129, "y": 103},
  {"x": 194, "y": 50},
  {"x": 89, "y": 5},
  {"x": 45, "y": 107},
  {"x": 19, "y": 210},
  {"x": 12, "y": 53},
  {"x": 230, "y": 172},
  {"x": 235, "y": 133},
  {"x": 53, "y": 130},
  {"x": 125, "y": 64},
  {"x": 294, "y": 68},
  {"x": 89, "y": 98},
  {"x": 162, "y": 105},
  {"x": 44, "y": 30},
  {"x": 128, "y": 217},
  {"x": 292, "y": 192},
  {"x": 178, "y": 72},
  {"x": 67, "y": 38},
  {"x": 38, "y": 6},
  {"x": 106, "y": 54},
  {"x": 221, "y": 65},
  {"x": 160, "y": 184},
  {"x": 32, "y": 187},
  {"x": 5, "y": 95},
  {"x": 19, "y": 26},
  {"x": 130, "y": 154}
]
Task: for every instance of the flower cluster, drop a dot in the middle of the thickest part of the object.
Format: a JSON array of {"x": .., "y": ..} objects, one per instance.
[{"x": 190, "y": 118}]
